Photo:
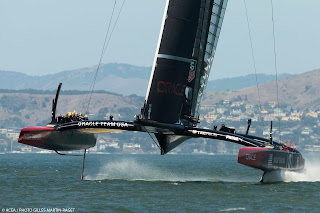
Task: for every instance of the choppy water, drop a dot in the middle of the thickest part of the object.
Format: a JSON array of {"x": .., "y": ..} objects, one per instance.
[{"x": 152, "y": 183}]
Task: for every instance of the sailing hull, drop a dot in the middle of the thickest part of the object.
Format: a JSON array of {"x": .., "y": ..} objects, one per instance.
[
  {"x": 49, "y": 138},
  {"x": 270, "y": 159}
]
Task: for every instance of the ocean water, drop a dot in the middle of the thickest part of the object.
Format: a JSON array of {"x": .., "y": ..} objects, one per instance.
[{"x": 151, "y": 183}]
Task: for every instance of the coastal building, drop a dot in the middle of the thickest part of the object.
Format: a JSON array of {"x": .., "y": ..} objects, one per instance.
[
  {"x": 221, "y": 110},
  {"x": 12, "y": 136},
  {"x": 237, "y": 104},
  {"x": 312, "y": 114},
  {"x": 3, "y": 131},
  {"x": 208, "y": 107},
  {"x": 131, "y": 147}
]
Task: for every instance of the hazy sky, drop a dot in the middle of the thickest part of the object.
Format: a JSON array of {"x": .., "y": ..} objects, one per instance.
[{"x": 47, "y": 36}]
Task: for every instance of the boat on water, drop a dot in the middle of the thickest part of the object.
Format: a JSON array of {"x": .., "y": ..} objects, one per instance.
[{"x": 187, "y": 43}]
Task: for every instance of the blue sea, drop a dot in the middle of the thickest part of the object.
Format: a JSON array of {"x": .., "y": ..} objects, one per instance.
[{"x": 151, "y": 183}]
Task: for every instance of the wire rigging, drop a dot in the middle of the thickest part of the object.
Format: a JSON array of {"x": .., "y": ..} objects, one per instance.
[
  {"x": 153, "y": 139},
  {"x": 104, "y": 48},
  {"x": 254, "y": 61},
  {"x": 276, "y": 68},
  {"x": 87, "y": 99}
]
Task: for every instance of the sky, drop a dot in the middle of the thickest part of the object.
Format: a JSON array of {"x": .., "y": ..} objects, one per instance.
[{"x": 41, "y": 37}]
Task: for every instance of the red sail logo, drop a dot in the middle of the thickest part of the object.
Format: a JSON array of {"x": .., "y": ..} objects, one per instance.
[
  {"x": 191, "y": 76},
  {"x": 171, "y": 88}
]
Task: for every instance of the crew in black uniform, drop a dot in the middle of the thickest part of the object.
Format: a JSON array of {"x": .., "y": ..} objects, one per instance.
[{"x": 223, "y": 128}]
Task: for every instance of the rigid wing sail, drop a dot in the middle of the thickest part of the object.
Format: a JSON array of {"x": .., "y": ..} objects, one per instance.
[{"x": 186, "y": 48}]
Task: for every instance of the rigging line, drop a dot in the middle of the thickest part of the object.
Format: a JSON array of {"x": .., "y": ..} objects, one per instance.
[
  {"x": 101, "y": 56},
  {"x": 107, "y": 46},
  {"x": 152, "y": 138},
  {"x": 276, "y": 68},
  {"x": 254, "y": 62},
  {"x": 114, "y": 26}
]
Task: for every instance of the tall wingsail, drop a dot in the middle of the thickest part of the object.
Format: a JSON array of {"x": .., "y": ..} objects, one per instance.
[{"x": 186, "y": 47}]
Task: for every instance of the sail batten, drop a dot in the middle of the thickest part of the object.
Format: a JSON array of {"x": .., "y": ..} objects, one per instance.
[{"x": 173, "y": 57}]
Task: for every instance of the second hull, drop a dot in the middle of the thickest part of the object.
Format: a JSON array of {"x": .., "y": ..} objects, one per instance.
[{"x": 270, "y": 159}]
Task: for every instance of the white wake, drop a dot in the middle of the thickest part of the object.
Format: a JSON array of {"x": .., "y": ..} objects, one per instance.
[
  {"x": 130, "y": 169},
  {"x": 311, "y": 173}
]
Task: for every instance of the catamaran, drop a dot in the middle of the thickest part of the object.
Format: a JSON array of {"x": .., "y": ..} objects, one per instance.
[{"x": 187, "y": 43}]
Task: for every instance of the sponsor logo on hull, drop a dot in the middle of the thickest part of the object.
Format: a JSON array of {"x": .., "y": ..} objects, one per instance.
[
  {"x": 215, "y": 135},
  {"x": 251, "y": 157},
  {"x": 279, "y": 160},
  {"x": 196, "y": 132},
  {"x": 104, "y": 124}
]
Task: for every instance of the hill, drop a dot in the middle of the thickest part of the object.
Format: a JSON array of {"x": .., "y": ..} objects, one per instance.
[
  {"x": 116, "y": 78},
  {"x": 299, "y": 92},
  {"x": 18, "y": 110},
  {"x": 32, "y": 107},
  {"x": 122, "y": 79},
  {"x": 226, "y": 84}
]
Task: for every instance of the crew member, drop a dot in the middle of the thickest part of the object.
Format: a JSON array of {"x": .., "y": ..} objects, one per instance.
[
  {"x": 69, "y": 118},
  {"x": 223, "y": 128},
  {"x": 81, "y": 118},
  {"x": 60, "y": 119}
]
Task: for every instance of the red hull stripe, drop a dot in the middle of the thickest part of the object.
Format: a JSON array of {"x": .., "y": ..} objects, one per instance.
[
  {"x": 35, "y": 136},
  {"x": 252, "y": 156}
]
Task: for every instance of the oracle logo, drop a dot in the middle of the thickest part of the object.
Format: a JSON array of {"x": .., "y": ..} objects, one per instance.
[
  {"x": 171, "y": 88},
  {"x": 251, "y": 157}
]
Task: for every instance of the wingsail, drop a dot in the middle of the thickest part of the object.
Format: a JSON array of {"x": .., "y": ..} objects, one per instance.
[{"x": 187, "y": 43}]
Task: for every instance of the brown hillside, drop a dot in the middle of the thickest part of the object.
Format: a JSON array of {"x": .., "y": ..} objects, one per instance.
[
  {"x": 21, "y": 109},
  {"x": 299, "y": 91},
  {"x": 35, "y": 109}
]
